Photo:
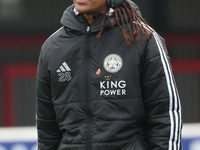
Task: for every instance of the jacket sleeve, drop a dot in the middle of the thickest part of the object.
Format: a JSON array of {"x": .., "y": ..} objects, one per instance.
[
  {"x": 161, "y": 99},
  {"x": 49, "y": 135}
]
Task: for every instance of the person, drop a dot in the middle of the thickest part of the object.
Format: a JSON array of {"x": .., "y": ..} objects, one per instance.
[{"x": 104, "y": 82}]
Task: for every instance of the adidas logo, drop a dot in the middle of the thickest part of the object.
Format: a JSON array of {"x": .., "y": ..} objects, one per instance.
[
  {"x": 63, "y": 68},
  {"x": 64, "y": 73}
]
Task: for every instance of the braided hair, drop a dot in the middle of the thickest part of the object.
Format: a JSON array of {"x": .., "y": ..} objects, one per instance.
[{"x": 126, "y": 15}]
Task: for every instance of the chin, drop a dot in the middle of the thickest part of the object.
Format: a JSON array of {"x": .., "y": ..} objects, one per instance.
[
  {"x": 84, "y": 9},
  {"x": 81, "y": 9}
]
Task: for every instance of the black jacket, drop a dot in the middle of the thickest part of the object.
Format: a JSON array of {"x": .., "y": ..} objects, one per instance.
[{"x": 99, "y": 94}]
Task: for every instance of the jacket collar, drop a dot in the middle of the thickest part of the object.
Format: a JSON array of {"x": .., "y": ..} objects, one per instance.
[
  {"x": 76, "y": 21},
  {"x": 111, "y": 11}
]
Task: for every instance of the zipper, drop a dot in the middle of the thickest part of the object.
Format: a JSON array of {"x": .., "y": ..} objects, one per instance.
[
  {"x": 88, "y": 30},
  {"x": 87, "y": 91}
]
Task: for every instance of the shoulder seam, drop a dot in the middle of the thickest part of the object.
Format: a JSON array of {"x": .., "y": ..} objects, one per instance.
[{"x": 53, "y": 42}]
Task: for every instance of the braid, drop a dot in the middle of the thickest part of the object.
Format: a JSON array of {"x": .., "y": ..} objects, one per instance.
[
  {"x": 99, "y": 34},
  {"x": 125, "y": 16},
  {"x": 126, "y": 19},
  {"x": 135, "y": 31},
  {"x": 123, "y": 26}
]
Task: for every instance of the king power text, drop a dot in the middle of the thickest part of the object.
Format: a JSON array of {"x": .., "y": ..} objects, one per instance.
[{"x": 113, "y": 87}]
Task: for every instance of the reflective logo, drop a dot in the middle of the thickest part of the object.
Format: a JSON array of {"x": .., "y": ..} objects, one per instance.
[
  {"x": 64, "y": 73},
  {"x": 109, "y": 87},
  {"x": 113, "y": 63}
]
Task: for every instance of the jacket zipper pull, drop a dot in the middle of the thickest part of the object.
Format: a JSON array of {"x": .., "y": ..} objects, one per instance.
[{"x": 88, "y": 29}]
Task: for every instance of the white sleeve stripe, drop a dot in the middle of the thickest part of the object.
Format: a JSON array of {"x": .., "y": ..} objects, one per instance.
[
  {"x": 174, "y": 102},
  {"x": 180, "y": 123},
  {"x": 176, "y": 111},
  {"x": 174, "y": 106},
  {"x": 170, "y": 93}
]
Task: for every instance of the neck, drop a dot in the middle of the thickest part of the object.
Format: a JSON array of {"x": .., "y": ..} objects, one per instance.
[{"x": 89, "y": 18}]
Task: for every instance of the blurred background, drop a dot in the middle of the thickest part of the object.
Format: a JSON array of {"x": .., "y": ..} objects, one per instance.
[{"x": 25, "y": 25}]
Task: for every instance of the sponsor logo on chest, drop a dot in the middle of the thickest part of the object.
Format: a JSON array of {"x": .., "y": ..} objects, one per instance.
[
  {"x": 112, "y": 63},
  {"x": 109, "y": 87}
]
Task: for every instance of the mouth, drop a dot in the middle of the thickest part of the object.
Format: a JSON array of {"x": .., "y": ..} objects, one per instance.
[{"x": 81, "y": 1}]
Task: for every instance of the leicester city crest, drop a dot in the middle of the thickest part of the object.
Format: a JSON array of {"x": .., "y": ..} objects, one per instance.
[{"x": 113, "y": 63}]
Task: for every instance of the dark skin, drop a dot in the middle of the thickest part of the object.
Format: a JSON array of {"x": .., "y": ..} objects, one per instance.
[{"x": 90, "y": 7}]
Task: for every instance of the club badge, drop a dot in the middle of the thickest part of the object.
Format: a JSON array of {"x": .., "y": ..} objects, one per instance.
[{"x": 113, "y": 63}]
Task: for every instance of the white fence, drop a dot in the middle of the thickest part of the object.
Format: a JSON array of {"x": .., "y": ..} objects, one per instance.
[{"x": 20, "y": 138}]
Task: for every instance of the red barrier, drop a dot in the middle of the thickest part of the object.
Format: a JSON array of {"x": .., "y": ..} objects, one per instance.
[{"x": 12, "y": 72}]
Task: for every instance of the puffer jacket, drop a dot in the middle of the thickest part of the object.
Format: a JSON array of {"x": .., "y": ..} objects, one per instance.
[{"x": 99, "y": 94}]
